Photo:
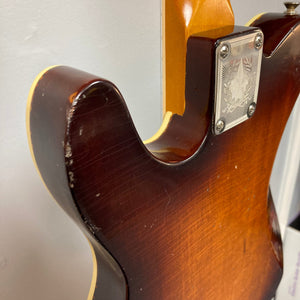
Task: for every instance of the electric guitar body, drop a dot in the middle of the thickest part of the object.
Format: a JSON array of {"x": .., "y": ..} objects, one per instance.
[{"x": 187, "y": 215}]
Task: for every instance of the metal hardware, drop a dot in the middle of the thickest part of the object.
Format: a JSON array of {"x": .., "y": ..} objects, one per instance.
[
  {"x": 251, "y": 109},
  {"x": 238, "y": 64},
  {"x": 224, "y": 51},
  {"x": 220, "y": 126},
  {"x": 258, "y": 42},
  {"x": 291, "y": 8}
]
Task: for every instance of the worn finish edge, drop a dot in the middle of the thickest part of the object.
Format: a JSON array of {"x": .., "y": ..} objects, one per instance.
[{"x": 93, "y": 243}]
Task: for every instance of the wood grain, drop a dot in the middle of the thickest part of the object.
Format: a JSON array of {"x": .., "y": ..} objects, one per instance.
[
  {"x": 188, "y": 216},
  {"x": 181, "y": 19}
]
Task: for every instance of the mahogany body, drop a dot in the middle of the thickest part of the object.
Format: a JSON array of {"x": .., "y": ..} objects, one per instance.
[{"x": 187, "y": 216}]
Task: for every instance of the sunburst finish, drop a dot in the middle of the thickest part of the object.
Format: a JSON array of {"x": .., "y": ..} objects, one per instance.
[{"x": 189, "y": 215}]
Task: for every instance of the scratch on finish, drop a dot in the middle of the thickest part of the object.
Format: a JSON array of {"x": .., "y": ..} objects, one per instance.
[
  {"x": 80, "y": 131},
  {"x": 167, "y": 204}
]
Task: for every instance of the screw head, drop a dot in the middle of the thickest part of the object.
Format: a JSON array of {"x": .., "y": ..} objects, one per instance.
[
  {"x": 258, "y": 41},
  {"x": 220, "y": 126},
  {"x": 251, "y": 109},
  {"x": 224, "y": 51}
]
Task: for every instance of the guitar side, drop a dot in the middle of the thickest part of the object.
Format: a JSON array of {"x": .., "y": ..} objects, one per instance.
[{"x": 186, "y": 216}]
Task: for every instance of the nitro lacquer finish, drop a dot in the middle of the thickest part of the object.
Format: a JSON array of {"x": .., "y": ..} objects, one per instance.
[{"x": 187, "y": 216}]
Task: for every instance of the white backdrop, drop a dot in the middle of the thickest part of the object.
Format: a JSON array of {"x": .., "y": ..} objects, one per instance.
[{"x": 42, "y": 253}]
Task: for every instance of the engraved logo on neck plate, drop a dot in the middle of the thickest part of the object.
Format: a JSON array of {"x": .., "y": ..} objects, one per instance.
[{"x": 238, "y": 64}]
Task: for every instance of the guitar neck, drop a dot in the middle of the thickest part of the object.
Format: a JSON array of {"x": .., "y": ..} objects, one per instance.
[{"x": 181, "y": 19}]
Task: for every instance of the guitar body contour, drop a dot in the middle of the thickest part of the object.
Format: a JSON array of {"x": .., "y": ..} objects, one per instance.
[{"x": 189, "y": 215}]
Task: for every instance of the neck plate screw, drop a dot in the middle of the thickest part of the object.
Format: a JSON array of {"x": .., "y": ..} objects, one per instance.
[
  {"x": 224, "y": 51},
  {"x": 251, "y": 109},
  {"x": 220, "y": 126},
  {"x": 258, "y": 42}
]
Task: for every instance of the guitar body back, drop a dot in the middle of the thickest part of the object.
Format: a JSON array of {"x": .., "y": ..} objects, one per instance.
[{"x": 189, "y": 215}]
